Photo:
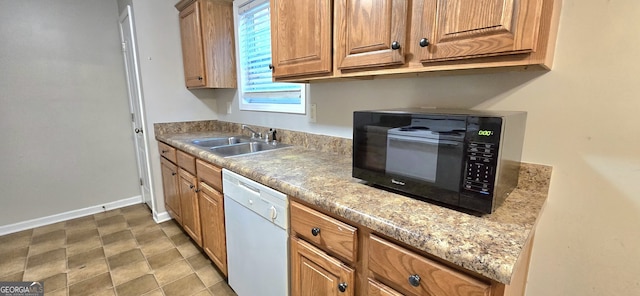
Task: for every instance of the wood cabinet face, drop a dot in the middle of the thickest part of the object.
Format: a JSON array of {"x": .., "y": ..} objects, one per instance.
[
  {"x": 301, "y": 37},
  {"x": 189, "y": 205},
  {"x": 396, "y": 265},
  {"x": 213, "y": 229},
  {"x": 192, "y": 52},
  {"x": 371, "y": 33},
  {"x": 314, "y": 273},
  {"x": 464, "y": 29},
  {"x": 170, "y": 187}
]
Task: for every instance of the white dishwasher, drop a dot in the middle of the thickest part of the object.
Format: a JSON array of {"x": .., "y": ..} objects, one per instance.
[{"x": 256, "y": 226}]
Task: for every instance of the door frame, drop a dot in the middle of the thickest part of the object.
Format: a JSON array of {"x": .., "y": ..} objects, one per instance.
[{"x": 137, "y": 99}]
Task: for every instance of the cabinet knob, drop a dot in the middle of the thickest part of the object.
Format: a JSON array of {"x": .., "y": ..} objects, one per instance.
[
  {"x": 271, "y": 66},
  {"x": 395, "y": 45},
  {"x": 173, "y": 173},
  {"x": 191, "y": 186},
  {"x": 315, "y": 231},
  {"x": 424, "y": 42},
  {"x": 199, "y": 77},
  {"x": 139, "y": 130},
  {"x": 197, "y": 190},
  {"x": 164, "y": 151},
  {"x": 414, "y": 280},
  {"x": 342, "y": 287}
]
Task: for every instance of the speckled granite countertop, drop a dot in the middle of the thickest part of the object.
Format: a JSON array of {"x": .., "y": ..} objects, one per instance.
[{"x": 489, "y": 245}]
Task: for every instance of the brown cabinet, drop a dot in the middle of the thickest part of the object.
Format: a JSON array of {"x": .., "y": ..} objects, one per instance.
[
  {"x": 315, "y": 273},
  {"x": 329, "y": 234},
  {"x": 388, "y": 37},
  {"x": 370, "y": 33},
  {"x": 416, "y": 275},
  {"x": 212, "y": 213},
  {"x": 208, "y": 49},
  {"x": 193, "y": 197},
  {"x": 170, "y": 187},
  {"x": 189, "y": 205},
  {"x": 301, "y": 39},
  {"x": 458, "y": 29},
  {"x": 326, "y": 251}
]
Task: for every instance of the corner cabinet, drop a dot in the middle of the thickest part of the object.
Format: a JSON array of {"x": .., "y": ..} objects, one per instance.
[
  {"x": 208, "y": 48},
  {"x": 388, "y": 37}
]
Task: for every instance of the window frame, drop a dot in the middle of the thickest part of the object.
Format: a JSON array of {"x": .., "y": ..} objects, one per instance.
[{"x": 243, "y": 100}]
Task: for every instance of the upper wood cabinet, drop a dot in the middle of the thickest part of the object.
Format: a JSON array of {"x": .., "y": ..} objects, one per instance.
[
  {"x": 301, "y": 38},
  {"x": 371, "y": 33},
  {"x": 387, "y": 37},
  {"x": 208, "y": 49},
  {"x": 458, "y": 29}
]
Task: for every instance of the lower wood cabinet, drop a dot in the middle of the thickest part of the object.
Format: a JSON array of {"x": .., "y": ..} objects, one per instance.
[
  {"x": 170, "y": 186},
  {"x": 413, "y": 274},
  {"x": 189, "y": 205},
  {"x": 314, "y": 273},
  {"x": 212, "y": 221},
  {"x": 193, "y": 197}
]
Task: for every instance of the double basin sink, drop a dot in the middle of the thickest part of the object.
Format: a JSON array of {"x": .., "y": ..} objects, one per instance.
[{"x": 236, "y": 145}]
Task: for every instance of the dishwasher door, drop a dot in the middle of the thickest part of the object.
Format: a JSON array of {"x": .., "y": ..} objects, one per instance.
[{"x": 257, "y": 250}]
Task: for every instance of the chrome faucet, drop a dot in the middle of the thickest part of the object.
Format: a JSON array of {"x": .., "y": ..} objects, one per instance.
[{"x": 254, "y": 134}]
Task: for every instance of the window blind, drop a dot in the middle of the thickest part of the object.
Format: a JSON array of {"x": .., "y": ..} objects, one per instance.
[{"x": 254, "y": 30}]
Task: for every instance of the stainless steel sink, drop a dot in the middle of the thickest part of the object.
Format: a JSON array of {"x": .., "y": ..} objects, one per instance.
[
  {"x": 245, "y": 148},
  {"x": 213, "y": 142}
]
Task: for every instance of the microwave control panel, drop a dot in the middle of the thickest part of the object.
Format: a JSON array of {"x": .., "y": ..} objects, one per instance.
[{"x": 482, "y": 138}]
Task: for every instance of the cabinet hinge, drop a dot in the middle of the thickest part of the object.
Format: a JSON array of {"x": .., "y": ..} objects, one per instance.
[
  {"x": 141, "y": 183},
  {"x": 133, "y": 117},
  {"x": 124, "y": 46}
]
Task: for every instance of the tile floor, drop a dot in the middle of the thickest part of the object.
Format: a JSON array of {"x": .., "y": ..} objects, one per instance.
[{"x": 118, "y": 252}]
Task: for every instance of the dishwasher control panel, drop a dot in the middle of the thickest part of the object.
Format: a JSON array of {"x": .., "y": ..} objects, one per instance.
[{"x": 264, "y": 201}]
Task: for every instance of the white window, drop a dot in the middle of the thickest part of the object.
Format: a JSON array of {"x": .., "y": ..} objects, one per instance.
[{"x": 257, "y": 91}]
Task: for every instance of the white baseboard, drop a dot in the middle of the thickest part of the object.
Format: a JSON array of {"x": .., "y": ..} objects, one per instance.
[
  {"x": 161, "y": 217},
  {"x": 24, "y": 225}
]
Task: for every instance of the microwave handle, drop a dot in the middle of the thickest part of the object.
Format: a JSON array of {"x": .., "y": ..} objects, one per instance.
[{"x": 423, "y": 140}]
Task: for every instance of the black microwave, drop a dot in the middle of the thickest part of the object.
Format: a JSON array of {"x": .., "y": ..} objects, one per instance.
[{"x": 466, "y": 159}]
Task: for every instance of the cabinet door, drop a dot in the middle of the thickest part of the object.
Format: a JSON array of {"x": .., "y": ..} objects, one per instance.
[
  {"x": 314, "y": 273},
  {"x": 301, "y": 37},
  {"x": 189, "y": 205},
  {"x": 377, "y": 289},
  {"x": 465, "y": 29},
  {"x": 170, "y": 186},
  {"x": 371, "y": 33},
  {"x": 212, "y": 220},
  {"x": 192, "y": 56}
]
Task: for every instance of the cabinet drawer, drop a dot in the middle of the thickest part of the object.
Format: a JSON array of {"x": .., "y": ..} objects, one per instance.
[
  {"x": 210, "y": 174},
  {"x": 167, "y": 151},
  {"x": 413, "y": 274},
  {"x": 187, "y": 162},
  {"x": 329, "y": 234}
]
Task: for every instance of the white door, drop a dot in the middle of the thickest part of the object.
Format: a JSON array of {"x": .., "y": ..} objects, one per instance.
[{"x": 136, "y": 105}]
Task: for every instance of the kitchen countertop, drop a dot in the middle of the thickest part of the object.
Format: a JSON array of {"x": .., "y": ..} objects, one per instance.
[{"x": 489, "y": 245}]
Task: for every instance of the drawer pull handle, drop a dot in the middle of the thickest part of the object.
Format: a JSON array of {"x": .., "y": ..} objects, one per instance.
[
  {"x": 342, "y": 287},
  {"x": 164, "y": 151},
  {"x": 315, "y": 231},
  {"x": 414, "y": 280}
]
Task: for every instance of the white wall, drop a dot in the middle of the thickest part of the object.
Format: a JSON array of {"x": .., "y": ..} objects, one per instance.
[
  {"x": 165, "y": 95},
  {"x": 65, "y": 135},
  {"x": 584, "y": 120}
]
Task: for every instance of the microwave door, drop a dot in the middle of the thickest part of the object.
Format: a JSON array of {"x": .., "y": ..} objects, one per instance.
[{"x": 418, "y": 158}]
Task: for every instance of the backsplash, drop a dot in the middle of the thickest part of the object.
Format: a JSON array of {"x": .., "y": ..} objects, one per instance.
[{"x": 310, "y": 141}]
